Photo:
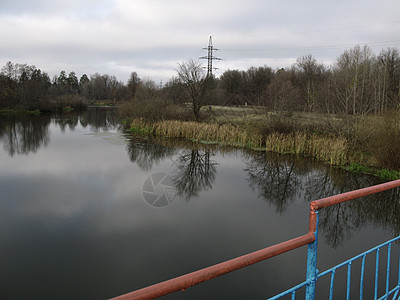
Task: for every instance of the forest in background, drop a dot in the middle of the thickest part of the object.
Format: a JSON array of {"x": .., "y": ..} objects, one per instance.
[
  {"x": 359, "y": 82},
  {"x": 346, "y": 114}
]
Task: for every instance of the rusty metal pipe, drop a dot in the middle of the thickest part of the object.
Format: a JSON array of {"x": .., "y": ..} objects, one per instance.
[
  {"x": 329, "y": 201},
  {"x": 185, "y": 281},
  {"x": 336, "y": 199}
]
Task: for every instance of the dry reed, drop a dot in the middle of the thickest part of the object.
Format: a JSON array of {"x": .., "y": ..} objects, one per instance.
[
  {"x": 225, "y": 134},
  {"x": 329, "y": 149},
  {"x": 334, "y": 150}
]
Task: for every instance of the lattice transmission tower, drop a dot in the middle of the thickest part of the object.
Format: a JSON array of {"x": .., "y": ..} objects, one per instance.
[{"x": 210, "y": 57}]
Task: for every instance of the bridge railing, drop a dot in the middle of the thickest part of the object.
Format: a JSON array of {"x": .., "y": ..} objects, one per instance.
[
  {"x": 183, "y": 282},
  {"x": 348, "y": 263}
]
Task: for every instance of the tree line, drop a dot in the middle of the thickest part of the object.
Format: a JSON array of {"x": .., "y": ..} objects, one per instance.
[
  {"x": 358, "y": 82},
  {"x": 25, "y": 86}
]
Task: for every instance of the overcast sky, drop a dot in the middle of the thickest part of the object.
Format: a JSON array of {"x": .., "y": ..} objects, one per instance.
[{"x": 151, "y": 37}]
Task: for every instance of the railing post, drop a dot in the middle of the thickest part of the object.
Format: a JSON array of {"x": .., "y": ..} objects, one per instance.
[
  {"x": 398, "y": 275},
  {"x": 312, "y": 264}
]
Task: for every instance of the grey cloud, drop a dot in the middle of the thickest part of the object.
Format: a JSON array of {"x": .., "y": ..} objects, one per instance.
[
  {"x": 118, "y": 37},
  {"x": 40, "y": 7}
]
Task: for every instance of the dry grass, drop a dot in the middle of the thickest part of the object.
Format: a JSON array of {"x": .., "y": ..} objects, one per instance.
[
  {"x": 334, "y": 150},
  {"x": 226, "y": 134},
  {"x": 249, "y": 114},
  {"x": 241, "y": 116},
  {"x": 379, "y": 136},
  {"x": 372, "y": 141},
  {"x": 329, "y": 149}
]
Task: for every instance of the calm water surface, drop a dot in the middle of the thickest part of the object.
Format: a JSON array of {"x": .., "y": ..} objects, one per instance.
[{"x": 90, "y": 212}]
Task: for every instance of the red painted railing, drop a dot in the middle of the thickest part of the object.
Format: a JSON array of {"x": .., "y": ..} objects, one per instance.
[{"x": 191, "y": 279}]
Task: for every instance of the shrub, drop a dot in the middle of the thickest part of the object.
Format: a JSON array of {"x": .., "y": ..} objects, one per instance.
[
  {"x": 276, "y": 123},
  {"x": 384, "y": 142},
  {"x": 73, "y": 101},
  {"x": 154, "y": 110}
]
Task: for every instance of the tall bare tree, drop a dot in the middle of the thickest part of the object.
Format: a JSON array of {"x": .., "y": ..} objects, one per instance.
[
  {"x": 310, "y": 75},
  {"x": 192, "y": 75},
  {"x": 389, "y": 64},
  {"x": 133, "y": 84},
  {"x": 351, "y": 79}
]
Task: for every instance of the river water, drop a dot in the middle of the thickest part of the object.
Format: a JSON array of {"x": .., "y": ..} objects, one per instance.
[{"x": 89, "y": 211}]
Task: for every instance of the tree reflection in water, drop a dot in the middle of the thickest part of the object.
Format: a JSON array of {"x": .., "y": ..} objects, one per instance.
[
  {"x": 195, "y": 173},
  {"x": 98, "y": 118},
  {"x": 146, "y": 152},
  {"x": 280, "y": 180},
  {"x": 337, "y": 222},
  {"x": 276, "y": 177},
  {"x": 194, "y": 170},
  {"x": 24, "y": 134},
  {"x": 344, "y": 220}
]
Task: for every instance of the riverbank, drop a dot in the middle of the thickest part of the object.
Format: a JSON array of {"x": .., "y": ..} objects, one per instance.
[
  {"x": 367, "y": 144},
  {"x": 36, "y": 112}
]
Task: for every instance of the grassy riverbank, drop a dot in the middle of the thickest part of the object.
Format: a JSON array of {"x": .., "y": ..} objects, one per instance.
[{"x": 368, "y": 144}]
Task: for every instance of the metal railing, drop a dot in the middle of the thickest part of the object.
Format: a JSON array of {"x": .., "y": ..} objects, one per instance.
[
  {"x": 363, "y": 257},
  {"x": 311, "y": 239},
  {"x": 332, "y": 271}
]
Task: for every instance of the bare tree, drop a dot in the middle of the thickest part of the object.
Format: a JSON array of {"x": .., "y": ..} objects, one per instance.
[
  {"x": 351, "y": 80},
  {"x": 283, "y": 94},
  {"x": 389, "y": 87},
  {"x": 310, "y": 75},
  {"x": 192, "y": 75},
  {"x": 133, "y": 84}
]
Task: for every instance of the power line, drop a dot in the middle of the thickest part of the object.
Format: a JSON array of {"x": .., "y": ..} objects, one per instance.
[
  {"x": 389, "y": 43},
  {"x": 210, "y": 56},
  {"x": 337, "y": 46},
  {"x": 349, "y": 27}
]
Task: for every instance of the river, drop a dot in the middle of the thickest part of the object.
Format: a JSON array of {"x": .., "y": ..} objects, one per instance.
[{"x": 89, "y": 211}]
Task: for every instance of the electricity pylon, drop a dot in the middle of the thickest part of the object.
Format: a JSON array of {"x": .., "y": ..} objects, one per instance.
[{"x": 210, "y": 57}]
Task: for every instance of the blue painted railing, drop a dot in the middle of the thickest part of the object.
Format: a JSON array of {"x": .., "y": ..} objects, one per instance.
[{"x": 313, "y": 273}]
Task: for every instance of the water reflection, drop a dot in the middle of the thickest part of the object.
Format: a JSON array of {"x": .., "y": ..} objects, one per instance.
[
  {"x": 344, "y": 220},
  {"x": 25, "y": 134},
  {"x": 97, "y": 118},
  {"x": 280, "y": 180},
  {"x": 194, "y": 170},
  {"x": 195, "y": 173},
  {"x": 337, "y": 222},
  {"x": 100, "y": 118},
  {"x": 71, "y": 122},
  {"x": 81, "y": 201},
  {"x": 145, "y": 152},
  {"x": 277, "y": 178}
]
